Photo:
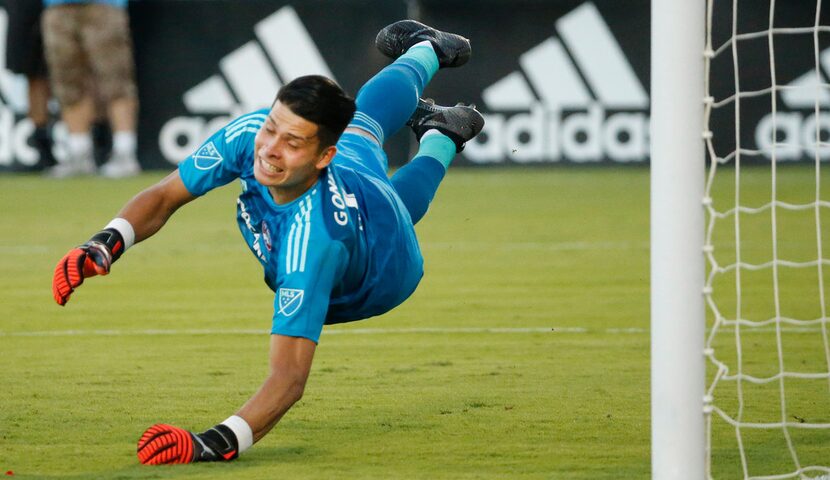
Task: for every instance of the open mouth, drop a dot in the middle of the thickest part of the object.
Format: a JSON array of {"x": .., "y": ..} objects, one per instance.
[{"x": 269, "y": 167}]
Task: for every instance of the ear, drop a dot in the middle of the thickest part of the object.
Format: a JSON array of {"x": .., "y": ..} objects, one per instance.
[{"x": 325, "y": 157}]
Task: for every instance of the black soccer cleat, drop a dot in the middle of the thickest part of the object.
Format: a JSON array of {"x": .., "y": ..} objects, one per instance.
[
  {"x": 460, "y": 123},
  {"x": 395, "y": 39}
]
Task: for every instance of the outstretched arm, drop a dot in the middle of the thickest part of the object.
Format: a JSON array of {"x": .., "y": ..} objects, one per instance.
[
  {"x": 140, "y": 218},
  {"x": 290, "y": 360},
  {"x": 148, "y": 211}
]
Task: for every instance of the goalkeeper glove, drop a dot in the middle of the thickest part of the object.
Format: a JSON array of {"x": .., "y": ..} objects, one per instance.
[
  {"x": 95, "y": 257},
  {"x": 162, "y": 444}
]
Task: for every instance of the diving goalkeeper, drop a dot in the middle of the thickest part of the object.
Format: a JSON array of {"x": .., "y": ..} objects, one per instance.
[{"x": 333, "y": 233}]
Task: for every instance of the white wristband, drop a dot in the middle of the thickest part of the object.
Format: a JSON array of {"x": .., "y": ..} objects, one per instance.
[
  {"x": 125, "y": 229},
  {"x": 240, "y": 428}
]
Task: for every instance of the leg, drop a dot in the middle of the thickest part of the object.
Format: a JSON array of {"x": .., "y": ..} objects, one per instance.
[
  {"x": 101, "y": 129},
  {"x": 24, "y": 55},
  {"x": 417, "y": 181},
  {"x": 122, "y": 114},
  {"x": 78, "y": 115},
  {"x": 108, "y": 40},
  {"x": 392, "y": 99},
  {"x": 39, "y": 93},
  {"x": 68, "y": 66},
  {"x": 123, "y": 161},
  {"x": 442, "y": 131},
  {"x": 386, "y": 102},
  {"x": 68, "y": 69}
]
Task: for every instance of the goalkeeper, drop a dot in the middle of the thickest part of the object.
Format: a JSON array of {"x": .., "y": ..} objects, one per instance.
[{"x": 333, "y": 233}]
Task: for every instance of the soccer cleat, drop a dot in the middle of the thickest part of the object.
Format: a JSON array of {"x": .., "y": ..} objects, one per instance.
[
  {"x": 165, "y": 444},
  {"x": 395, "y": 39},
  {"x": 460, "y": 123}
]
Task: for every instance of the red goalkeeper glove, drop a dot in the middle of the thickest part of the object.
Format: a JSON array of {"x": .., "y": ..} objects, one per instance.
[
  {"x": 166, "y": 444},
  {"x": 95, "y": 257}
]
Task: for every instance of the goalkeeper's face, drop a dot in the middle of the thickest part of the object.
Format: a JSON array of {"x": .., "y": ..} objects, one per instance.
[{"x": 287, "y": 154}]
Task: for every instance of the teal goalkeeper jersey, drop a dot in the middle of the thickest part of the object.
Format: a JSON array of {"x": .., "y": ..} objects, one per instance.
[{"x": 344, "y": 250}]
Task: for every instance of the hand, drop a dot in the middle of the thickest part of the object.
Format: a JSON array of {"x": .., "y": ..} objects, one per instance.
[
  {"x": 90, "y": 259},
  {"x": 162, "y": 444},
  {"x": 166, "y": 444}
]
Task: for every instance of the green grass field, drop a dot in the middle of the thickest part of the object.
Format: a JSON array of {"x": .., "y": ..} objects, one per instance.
[{"x": 558, "y": 257}]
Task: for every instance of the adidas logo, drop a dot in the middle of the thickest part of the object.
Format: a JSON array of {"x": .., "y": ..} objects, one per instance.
[
  {"x": 249, "y": 79},
  {"x": 560, "y": 97},
  {"x": 806, "y": 90},
  {"x": 796, "y": 130}
]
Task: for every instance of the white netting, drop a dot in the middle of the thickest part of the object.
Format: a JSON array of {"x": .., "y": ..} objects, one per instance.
[{"x": 768, "y": 395}]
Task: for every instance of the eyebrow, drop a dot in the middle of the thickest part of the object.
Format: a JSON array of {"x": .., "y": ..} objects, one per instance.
[
  {"x": 297, "y": 137},
  {"x": 289, "y": 134}
]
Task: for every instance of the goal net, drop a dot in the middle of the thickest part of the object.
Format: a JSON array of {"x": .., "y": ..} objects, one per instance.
[{"x": 767, "y": 239}]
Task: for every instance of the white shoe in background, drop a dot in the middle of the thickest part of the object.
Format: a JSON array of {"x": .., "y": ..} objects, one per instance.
[
  {"x": 72, "y": 167},
  {"x": 120, "y": 166}
]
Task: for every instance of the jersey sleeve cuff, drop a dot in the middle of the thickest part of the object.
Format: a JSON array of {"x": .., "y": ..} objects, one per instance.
[
  {"x": 296, "y": 333},
  {"x": 188, "y": 182}
]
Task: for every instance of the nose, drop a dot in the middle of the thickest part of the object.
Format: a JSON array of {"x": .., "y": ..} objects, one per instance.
[{"x": 271, "y": 148}]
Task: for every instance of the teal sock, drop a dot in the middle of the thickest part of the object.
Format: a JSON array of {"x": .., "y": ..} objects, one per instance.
[
  {"x": 423, "y": 54},
  {"x": 438, "y": 146},
  {"x": 416, "y": 184},
  {"x": 387, "y": 100}
]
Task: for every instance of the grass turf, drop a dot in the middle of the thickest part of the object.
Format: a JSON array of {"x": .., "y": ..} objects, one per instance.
[{"x": 562, "y": 253}]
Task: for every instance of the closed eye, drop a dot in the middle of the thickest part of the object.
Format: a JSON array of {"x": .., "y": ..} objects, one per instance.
[{"x": 269, "y": 125}]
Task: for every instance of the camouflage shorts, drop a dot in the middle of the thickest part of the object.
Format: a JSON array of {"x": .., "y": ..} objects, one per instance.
[{"x": 88, "y": 46}]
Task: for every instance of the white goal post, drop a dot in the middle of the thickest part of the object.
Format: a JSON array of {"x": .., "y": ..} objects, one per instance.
[
  {"x": 738, "y": 258},
  {"x": 677, "y": 234}
]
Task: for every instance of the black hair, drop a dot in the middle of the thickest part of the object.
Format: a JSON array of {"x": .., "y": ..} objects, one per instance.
[{"x": 321, "y": 101}]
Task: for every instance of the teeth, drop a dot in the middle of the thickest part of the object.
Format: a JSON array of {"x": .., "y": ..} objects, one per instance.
[{"x": 268, "y": 166}]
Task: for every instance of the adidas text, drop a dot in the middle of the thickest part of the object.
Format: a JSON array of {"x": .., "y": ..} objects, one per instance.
[
  {"x": 13, "y": 139},
  {"x": 796, "y": 134},
  {"x": 791, "y": 135},
  {"x": 544, "y": 135},
  {"x": 14, "y": 130},
  {"x": 575, "y": 97}
]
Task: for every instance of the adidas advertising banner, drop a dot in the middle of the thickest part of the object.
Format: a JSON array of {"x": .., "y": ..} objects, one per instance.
[
  {"x": 559, "y": 81},
  {"x": 200, "y": 63},
  {"x": 567, "y": 81}
]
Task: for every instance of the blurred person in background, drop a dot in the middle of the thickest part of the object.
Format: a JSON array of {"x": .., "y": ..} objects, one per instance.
[
  {"x": 24, "y": 55},
  {"x": 89, "y": 52}
]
